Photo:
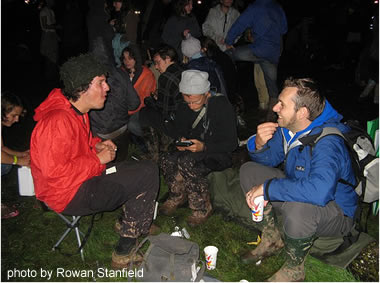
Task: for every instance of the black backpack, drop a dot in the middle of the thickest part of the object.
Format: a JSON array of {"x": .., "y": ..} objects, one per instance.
[{"x": 362, "y": 154}]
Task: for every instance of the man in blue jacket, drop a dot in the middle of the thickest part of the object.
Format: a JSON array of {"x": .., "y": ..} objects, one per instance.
[
  {"x": 307, "y": 192},
  {"x": 267, "y": 23}
]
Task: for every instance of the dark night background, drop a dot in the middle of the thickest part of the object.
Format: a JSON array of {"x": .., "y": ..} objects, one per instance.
[{"x": 315, "y": 46}]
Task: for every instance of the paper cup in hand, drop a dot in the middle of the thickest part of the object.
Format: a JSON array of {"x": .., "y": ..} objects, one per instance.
[
  {"x": 258, "y": 209},
  {"x": 211, "y": 253}
]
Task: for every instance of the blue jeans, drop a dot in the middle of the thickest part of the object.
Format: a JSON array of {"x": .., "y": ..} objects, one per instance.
[
  {"x": 5, "y": 168},
  {"x": 244, "y": 53}
]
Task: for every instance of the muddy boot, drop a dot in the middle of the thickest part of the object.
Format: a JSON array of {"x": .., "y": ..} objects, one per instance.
[
  {"x": 271, "y": 240},
  {"x": 124, "y": 255},
  {"x": 172, "y": 203},
  {"x": 177, "y": 197},
  {"x": 293, "y": 269},
  {"x": 200, "y": 216},
  {"x": 271, "y": 116}
]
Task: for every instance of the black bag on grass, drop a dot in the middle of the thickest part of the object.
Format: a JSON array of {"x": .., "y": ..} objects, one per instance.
[{"x": 170, "y": 258}]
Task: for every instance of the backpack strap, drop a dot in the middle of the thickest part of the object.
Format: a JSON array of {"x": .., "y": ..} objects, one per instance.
[
  {"x": 201, "y": 271},
  {"x": 311, "y": 141},
  {"x": 199, "y": 117}
]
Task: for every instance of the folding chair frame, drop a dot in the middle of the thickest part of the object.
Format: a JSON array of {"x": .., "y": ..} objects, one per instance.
[{"x": 70, "y": 226}]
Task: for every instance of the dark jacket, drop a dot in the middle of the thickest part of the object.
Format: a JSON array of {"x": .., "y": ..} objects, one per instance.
[
  {"x": 207, "y": 65},
  {"x": 97, "y": 23},
  {"x": 121, "y": 98},
  {"x": 217, "y": 129},
  {"x": 173, "y": 31},
  {"x": 168, "y": 95},
  {"x": 229, "y": 73}
]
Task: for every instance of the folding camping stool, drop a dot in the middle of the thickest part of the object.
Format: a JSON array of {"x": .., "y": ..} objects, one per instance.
[{"x": 74, "y": 224}]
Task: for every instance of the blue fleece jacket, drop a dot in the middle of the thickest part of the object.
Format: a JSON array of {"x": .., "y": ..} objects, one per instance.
[
  {"x": 268, "y": 23},
  {"x": 310, "y": 177}
]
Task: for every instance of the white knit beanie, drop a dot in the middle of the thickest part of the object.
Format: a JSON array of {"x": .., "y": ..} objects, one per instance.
[
  {"x": 194, "y": 82},
  {"x": 190, "y": 46}
]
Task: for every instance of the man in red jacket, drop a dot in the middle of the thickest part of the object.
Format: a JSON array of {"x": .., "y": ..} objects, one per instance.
[{"x": 69, "y": 165}]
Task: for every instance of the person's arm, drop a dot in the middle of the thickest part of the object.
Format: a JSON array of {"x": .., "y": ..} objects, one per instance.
[
  {"x": 208, "y": 26},
  {"x": 240, "y": 25},
  {"x": 10, "y": 156}
]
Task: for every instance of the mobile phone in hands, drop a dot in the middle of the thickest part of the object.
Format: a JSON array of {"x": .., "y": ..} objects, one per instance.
[{"x": 183, "y": 143}]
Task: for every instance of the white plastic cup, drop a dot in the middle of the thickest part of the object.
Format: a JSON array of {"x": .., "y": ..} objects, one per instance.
[
  {"x": 211, "y": 253},
  {"x": 258, "y": 209}
]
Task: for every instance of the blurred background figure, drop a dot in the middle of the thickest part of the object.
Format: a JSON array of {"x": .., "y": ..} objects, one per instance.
[
  {"x": 49, "y": 47},
  {"x": 219, "y": 21},
  {"x": 12, "y": 109},
  {"x": 179, "y": 25}
]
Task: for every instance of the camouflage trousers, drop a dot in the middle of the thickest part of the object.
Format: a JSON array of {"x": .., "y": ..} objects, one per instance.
[
  {"x": 186, "y": 177},
  {"x": 156, "y": 142},
  {"x": 134, "y": 186}
]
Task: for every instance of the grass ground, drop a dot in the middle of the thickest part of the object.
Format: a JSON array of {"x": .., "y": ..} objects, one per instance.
[{"x": 27, "y": 242}]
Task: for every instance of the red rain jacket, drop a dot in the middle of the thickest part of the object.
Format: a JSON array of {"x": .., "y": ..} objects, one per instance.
[{"x": 62, "y": 151}]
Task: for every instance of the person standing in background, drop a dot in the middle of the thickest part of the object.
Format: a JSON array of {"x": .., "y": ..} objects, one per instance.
[
  {"x": 49, "y": 48},
  {"x": 179, "y": 25},
  {"x": 219, "y": 21},
  {"x": 267, "y": 23}
]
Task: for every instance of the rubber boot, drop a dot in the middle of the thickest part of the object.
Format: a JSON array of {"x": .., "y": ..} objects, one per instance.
[
  {"x": 175, "y": 200},
  {"x": 123, "y": 255},
  {"x": 271, "y": 116},
  {"x": 200, "y": 216},
  {"x": 293, "y": 269},
  {"x": 271, "y": 240}
]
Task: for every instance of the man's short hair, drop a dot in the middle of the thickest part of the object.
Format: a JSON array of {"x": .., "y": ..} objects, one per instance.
[
  {"x": 308, "y": 95},
  {"x": 167, "y": 51},
  {"x": 78, "y": 72}
]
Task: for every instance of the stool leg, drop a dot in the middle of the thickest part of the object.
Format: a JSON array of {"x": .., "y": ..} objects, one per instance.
[
  {"x": 77, "y": 232},
  {"x": 61, "y": 239}
]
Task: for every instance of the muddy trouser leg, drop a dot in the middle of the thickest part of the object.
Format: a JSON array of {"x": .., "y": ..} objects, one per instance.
[
  {"x": 302, "y": 223},
  {"x": 252, "y": 174},
  {"x": 168, "y": 163},
  {"x": 134, "y": 185},
  {"x": 194, "y": 173}
]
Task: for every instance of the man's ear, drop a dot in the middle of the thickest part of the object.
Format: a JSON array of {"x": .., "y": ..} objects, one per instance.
[{"x": 303, "y": 113}]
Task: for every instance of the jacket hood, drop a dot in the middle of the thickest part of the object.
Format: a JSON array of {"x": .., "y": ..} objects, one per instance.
[
  {"x": 329, "y": 117},
  {"x": 53, "y": 102}
]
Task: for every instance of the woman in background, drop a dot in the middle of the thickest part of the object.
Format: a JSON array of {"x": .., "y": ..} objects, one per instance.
[
  {"x": 143, "y": 81},
  {"x": 11, "y": 110},
  {"x": 179, "y": 25}
]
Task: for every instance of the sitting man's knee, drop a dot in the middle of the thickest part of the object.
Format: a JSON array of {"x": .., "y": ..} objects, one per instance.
[{"x": 298, "y": 219}]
